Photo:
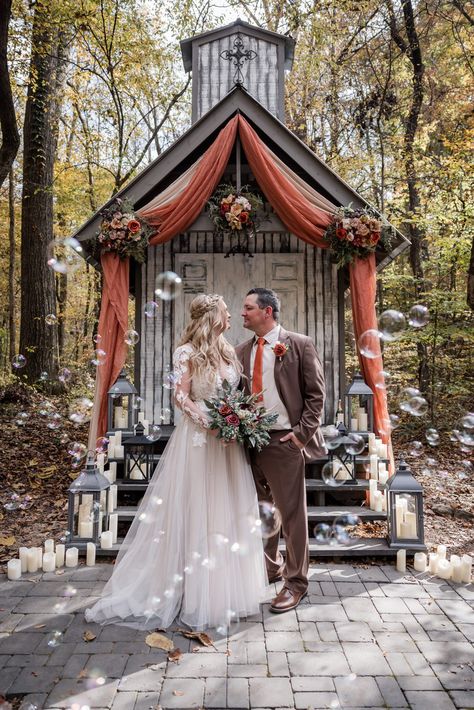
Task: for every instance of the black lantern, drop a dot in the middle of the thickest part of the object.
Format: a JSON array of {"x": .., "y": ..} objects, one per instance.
[
  {"x": 405, "y": 510},
  {"x": 359, "y": 405},
  {"x": 88, "y": 506},
  {"x": 141, "y": 457},
  {"x": 121, "y": 410},
  {"x": 339, "y": 451}
]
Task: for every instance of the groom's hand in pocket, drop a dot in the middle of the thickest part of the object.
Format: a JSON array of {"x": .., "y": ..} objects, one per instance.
[{"x": 291, "y": 437}]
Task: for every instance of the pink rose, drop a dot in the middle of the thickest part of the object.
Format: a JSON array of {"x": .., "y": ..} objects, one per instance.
[{"x": 233, "y": 420}]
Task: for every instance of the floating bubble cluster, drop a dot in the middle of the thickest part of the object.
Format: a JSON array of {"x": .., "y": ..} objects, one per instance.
[
  {"x": 18, "y": 362},
  {"x": 168, "y": 286},
  {"x": 132, "y": 337},
  {"x": 391, "y": 325},
  {"x": 80, "y": 410},
  {"x": 432, "y": 436},
  {"x": 64, "y": 255},
  {"x": 154, "y": 433}
]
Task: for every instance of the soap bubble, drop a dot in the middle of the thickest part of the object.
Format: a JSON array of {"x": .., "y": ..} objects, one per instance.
[
  {"x": 64, "y": 255},
  {"x": 170, "y": 379},
  {"x": 348, "y": 520},
  {"x": 77, "y": 450},
  {"x": 99, "y": 357},
  {"x": 154, "y": 432},
  {"x": 64, "y": 374},
  {"x": 80, "y": 410},
  {"x": 115, "y": 392},
  {"x": 465, "y": 429},
  {"x": 45, "y": 408},
  {"x": 97, "y": 338},
  {"x": 356, "y": 445},
  {"x": 418, "y": 316},
  {"x": 54, "y": 639},
  {"x": 138, "y": 403},
  {"x": 270, "y": 519},
  {"x": 394, "y": 421},
  {"x": 132, "y": 337},
  {"x": 416, "y": 449},
  {"x": 21, "y": 418},
  {"x": 54, "y": 420},
  {"x": 418, "y": 406},
  {"x": 382, "y": 379},
  {"x": 369, "y": 344},
  {"x": 391, "y": 325},
  {"x": 322, "y": 533},
  {"x": 409, "y": 392},
  {"x": 331, "y": 436},
  {"x": 19, "y": 361},
  {"x": 168, "y": 286},
  {"x": 51, "y": 319},
  {"x": 343, "y": 528},
  {"x": 334, "y": 473},
  {"x": 165, "y": 414},
  {"x": 13, "y": 503},
  {"x": 432, "y": 436},
  {"x": 151, "y": 309},
  {"x": 102, "y": 445},
  {"x": 43, "y": 376}
]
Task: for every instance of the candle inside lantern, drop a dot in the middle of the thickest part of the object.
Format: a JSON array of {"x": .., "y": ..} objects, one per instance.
[
  {"x": 49, "y": 562},
  {"x": 362, "y": 421},
  {"x": 118, "y": 412},
  {"x": 23, "y": 554},
  {"x": 354, "y": 424},
  {"x": 419, "y": 562},
  {"x": 60, "y": 555},
  {"x": 106, "y": 540},
  {"x": 410, "y": 519},
  {"x": 85, "y": 528},
  {"x": 72, "y": 557},
  {"x": 32, "y": 560},
  {"x": 14, "y": 569},
  {"x": 90, "y": 555},
  {"x": 402, "y": 561}
]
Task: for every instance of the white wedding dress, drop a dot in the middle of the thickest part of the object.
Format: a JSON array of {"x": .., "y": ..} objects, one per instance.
[{"x": 194, "y": 551}]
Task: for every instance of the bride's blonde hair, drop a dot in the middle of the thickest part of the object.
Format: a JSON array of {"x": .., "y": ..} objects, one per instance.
[{"x": 205, "y": 332}]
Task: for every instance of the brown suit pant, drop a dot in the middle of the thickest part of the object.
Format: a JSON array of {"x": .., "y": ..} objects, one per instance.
[{"x": 278, "y": 471}]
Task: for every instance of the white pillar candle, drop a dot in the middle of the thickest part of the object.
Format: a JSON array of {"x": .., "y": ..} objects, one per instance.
[
  {"x": 118, "y": 411},
  {"x": 374, "y": 466},
  {"x": 72, "y": 557},
  {"x": 90, "y": 555},
  {"x": 113, "y": 471},
  {"x": 384, "y": 501},
  {"x": 443, "y": 569},
  {"x": 49, "y": 545},
  {"x": 106, "y": 540},
  {"x": 119, "y": 452},
  {"x": 372, "y": 444},
  {"x": 112, "y": 498},
  {"x": 410, "y": 519},
  {"x": 419, "y": 562},
  {"x": 405, "y": 531},
  {"x": 382, "y": 450},
  {"x": 39, "y": 556},
  {"x": 23, "y": 554},
  {"x": 85, "y": 529},
  {"x": 14, "y": 569},
  {"x": 141, "y": 416},
  {"x": 362, "y": 421},
  {"x": 441, "y": 550},
  {"x": 456, "y": 571},
  {"x": 118, "y": 438},
  {"x": 433, "y": 557},
  {"x": 353, "y": 424},
  {"x": 372, "y": 491},
  {"x": 402, "y": 561},
  {"x": 383, "y": 476},
  {"x": 32, "y": 560},
  {"x": 466, "y": 563},
  {"x": 113, "y": 526},
  {"x": 49, "y": 562},
  {"x": 60, "y": 554},
  {"x": 100, "y": 460},
  {"x": 87, "y": 499},
  {"x": 377, "y": 498}
]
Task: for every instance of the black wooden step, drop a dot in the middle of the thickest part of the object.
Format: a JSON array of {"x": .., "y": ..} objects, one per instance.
[
  {"x": 329, "y": 513},
  {"x": 316, "y": 484}
]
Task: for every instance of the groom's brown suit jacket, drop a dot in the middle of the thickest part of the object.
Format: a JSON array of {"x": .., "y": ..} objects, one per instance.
[{"x": 299, "y": 380}]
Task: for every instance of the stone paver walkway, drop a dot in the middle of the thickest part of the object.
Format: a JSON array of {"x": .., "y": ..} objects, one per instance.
[{"x": 364, "y": 638}]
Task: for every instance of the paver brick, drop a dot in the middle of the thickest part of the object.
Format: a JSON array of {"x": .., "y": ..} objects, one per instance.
[
  {"x": 198, "y": 665},
  {"x": 284, "y": 641},
  {"x": 21, "y": 642},
  {"x": 145, "y": 701},
  {"x": 366, "y": 659},
  {"x": 463, "y": 698},
  {"x": 391, "y": 692},
  {"x": 238, "y": 693},
  {"x": 124, "y": 701},
  {"x": 278, "y": 664},
  {"x": 419, "y": 682},
  {"x": 326, "y": 664},
  {"x": 304, "y": 701},
  {"x": 395, "y": 642},
  {"x": 356, "y": 631},
  {"x": 145, "y": 680},
  {"x": 34, "y": 679},
  {"x": 68, "y": 692},
  {"x": 109, "y": 665},
  {"x": 275, "y": 692},
  {"x": 191, "y": 693},
  {"x": 429, "y": 699},
  {"x": 361, "y": 692},
  {"x": 448, "y": 652},
  {"x": 316, "y": 684},
  {"x": 215, "y": 693},
  {"x": 326, "y": 631}
]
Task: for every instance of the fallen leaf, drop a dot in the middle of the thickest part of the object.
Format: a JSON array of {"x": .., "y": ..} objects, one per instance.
[
  {"x": 175, "y": 655},
  {"x": 82, "y": 674},
  {"x": 88, "y": 635},
  {"x": 40, "y": 626},
  {"x": 7, "y": 541},
  {"x": 156, "y": 640},
  {"x": 228, "y": 652},
  {"x": 59, "y": 571},
  {"x": 178, "y": 692},
  {"x": 204, "y": 638}
]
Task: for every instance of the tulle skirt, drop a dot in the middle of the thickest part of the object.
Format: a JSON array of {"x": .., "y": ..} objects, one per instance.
[{"x": 194, "y": 551}]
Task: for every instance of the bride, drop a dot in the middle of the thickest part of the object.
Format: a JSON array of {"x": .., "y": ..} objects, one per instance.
[{"x": 193, "y": 552}]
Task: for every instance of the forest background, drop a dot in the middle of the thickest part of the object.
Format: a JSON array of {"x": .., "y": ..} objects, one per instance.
[{"x": 93, "y": 90}]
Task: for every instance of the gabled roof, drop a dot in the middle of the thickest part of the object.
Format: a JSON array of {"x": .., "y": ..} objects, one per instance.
[
  {"x": 211, "y": 35},
  {"x": 185, "y": 151}
]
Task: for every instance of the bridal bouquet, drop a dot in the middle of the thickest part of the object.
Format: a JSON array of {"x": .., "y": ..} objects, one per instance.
[{"x": 239, "y": 417}]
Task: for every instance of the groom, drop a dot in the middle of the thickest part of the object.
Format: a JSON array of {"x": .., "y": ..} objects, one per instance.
[{"x": 286, "y": 369}]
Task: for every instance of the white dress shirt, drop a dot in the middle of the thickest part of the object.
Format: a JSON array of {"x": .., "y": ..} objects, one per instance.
[{"x": 271, "y": 398}]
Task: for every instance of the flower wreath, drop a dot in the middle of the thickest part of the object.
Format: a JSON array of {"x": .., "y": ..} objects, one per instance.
[
  {"x": 122, "y": 232},
  {"x": 356, "y": 233},
  {"x": 235, "y": 211}
]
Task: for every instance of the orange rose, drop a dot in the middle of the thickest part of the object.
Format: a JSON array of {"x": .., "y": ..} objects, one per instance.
[
  {"x": 244, "y": 217},
  {"x": 134, "y": 226},
  {"x": 280, "y": 349}
]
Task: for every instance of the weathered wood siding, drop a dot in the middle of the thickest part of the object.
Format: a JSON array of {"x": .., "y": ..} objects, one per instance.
[
  {"x": 157, "y": 334},
  {"x": 214, "y": 77}
]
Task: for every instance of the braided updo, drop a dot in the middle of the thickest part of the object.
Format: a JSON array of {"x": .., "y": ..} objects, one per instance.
[{"x": 205, "y": 332}]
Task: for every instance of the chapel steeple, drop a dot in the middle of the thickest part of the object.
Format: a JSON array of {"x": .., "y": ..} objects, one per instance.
[{"x": 238, "y": 54}]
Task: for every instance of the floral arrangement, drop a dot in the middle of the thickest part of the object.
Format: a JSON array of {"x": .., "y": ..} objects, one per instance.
[
  {"x": 122, "y": 232},
  {"x": 235, "y": 211},
  {"x": 239, "y": 417},
  {"x": 356, "y": 233}
]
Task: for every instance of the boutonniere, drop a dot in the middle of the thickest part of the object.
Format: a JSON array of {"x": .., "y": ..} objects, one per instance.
[{"x": 280, "y": 350}]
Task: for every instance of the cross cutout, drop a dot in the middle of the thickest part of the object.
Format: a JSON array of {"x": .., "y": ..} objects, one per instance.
[{"x": 238, "y": 56}]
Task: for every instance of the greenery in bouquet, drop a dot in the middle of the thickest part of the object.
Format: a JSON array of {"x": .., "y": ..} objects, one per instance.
[
  {"x": 239, "y": 417},
  {"x": 355, "y": 234},
  {"x": 235, "y": 211},
  {"x": 122, "y": 232}
]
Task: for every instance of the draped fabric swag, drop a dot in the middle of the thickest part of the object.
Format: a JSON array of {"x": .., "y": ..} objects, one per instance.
[{"x": 302, "y": 210}]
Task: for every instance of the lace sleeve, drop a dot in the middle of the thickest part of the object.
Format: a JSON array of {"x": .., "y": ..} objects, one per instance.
[{"x": 183, "y": 378}]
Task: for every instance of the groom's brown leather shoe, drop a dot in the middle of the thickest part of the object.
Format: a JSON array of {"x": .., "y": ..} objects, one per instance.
[{"x": 286, "y": 600}]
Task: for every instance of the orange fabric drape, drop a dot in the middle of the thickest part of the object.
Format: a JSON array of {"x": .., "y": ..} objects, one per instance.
[
  {"x": 113, "y": 324},
  {"x": 300, "y": 216}
]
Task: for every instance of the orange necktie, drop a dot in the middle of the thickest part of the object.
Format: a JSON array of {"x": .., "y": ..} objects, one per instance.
[{"x": 257, "y": 376}]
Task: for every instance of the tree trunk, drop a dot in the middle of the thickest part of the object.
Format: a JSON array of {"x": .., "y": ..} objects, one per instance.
[
  {"x": 38, "y": 342},
  {"x": 470, "y": 279},
  {"x": 11, "y": 266},
  {"x": 9, "y": 129}
]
